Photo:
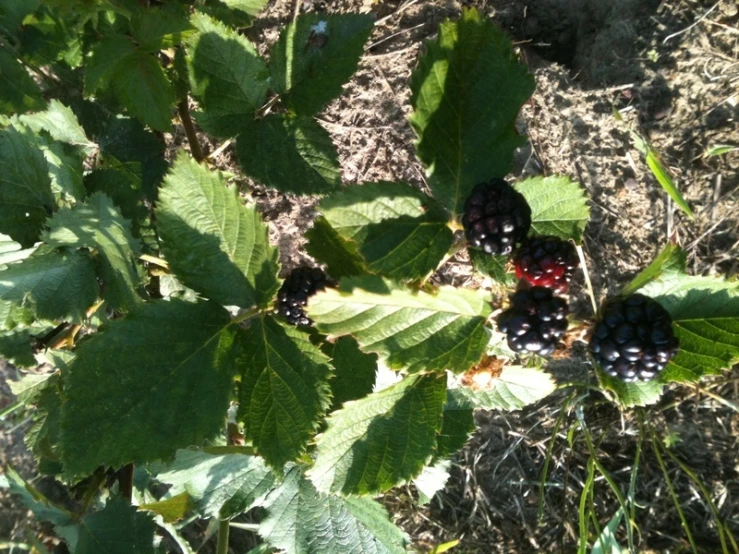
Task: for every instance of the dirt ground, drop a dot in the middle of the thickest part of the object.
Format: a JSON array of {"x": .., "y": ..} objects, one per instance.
[{"x": 671, "y": 68}]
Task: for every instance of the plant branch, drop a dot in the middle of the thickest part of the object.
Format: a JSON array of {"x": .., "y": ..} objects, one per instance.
[
  {"x": 184, "y": 111},
  {"x": 125, "y": 481}
]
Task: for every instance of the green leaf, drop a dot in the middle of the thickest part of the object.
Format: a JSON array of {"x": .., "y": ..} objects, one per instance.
[
  {"x": 16, "y": 345},
  {"x": 13, "y": 12},
  {"x": 304, "y": 521},
  {"x": 65, "y": 168},
  {"x": 661, "y": 173},
  {"x": 142, "y": 86},
  {"x": 117, "y": 529},
  {"x": 26, "y": 199},
  {"x": 98, "y": 224},
  {"x": 12, "y": 251},
  {"x": 227, "y": 76},
  {"x": 61, "y": 123},
  {"x": 284, "y": 389},
  {"x": 466, "y": 93},
  {"x": 290, "y": 154},
  {"x": 558, "y": 206},
  {"x": 720, "y": 149},
  {"x": 515, "y": 388},
  {"x": 249, "y": 7},
  {"x": 400, "y": 232},
  {"x": 213, "y": 243},
  {"x": 44, "y": 436},
  {"x": 327, "y": 246},
  {"x": 148, "y": 384},
  {"x": 432, "y": 479},
  {"x": 382, "y": 440},
  {"x": 355, "y": 371},
  {"x": 56, "y": 285},
  {"x": 34, "y": 500},
  {"x": 638, "y": 393},
  {"x": 220, "y": 485},
  {"x": 494, "y": 267},
  {"x": 419, "y": 331},
  {"x": 705, "y": 316},
  {"x": 456, "y": 427},
  {"x": 104, "y": 61},
  {"x": 46, "y": 37},
  {"x": 155, "y": 28},
  {"x": 19, "y": 93},
  {"x": 171, "y": 509},
  {"x": 30, "y": 385},
  {"x": 12, "y": 316},
  {"x": 125, "y": 189},
  {"x": 315, "y": 56}
]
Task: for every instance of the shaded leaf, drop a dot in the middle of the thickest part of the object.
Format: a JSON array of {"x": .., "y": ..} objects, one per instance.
[
  {"x": 98, "y": 224},
  {"x": 315, "y": 55},
  {"x": 638, "y": 393},
  {"x": 147, "y": 385},
  {"x": 400, "y": 232},
  {"x": 284, "y": 389},
  {"x": 156, "y": 27},
  {"x": 55, "y": 285},
  {"x": 494, "y": 267},
  {"x": 354, "y": 374},
  {"x": 377, "y": 442},
  {"x": 218, "y": 485},
  {"x": 290, "y": 154},
  {"x": 214, "y": 244},
  {"x": 117, "y": 529},
  {"x": 339, "y": 255},
  {"x": 104, "y": 61},
  {"x": 304, "y": 521},
  {"x": 418, "y": 331},
  {"x": 26, "y": 199},
  {"x": 19, "y": 93},
  {"x": 457, "y": 425},
  {"x": 466, "y": 93},
  {"x": 558, "y": 206},
  {"x": 43, "y": 508}
]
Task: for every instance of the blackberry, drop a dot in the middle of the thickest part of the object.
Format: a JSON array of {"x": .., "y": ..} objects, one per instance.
[
  {"x": 633, "y": 339},
  {"x": 547, "y": 262},
  {"x": 301, "y": 284},
  {"x": 535, "y": 321},
  {"x": 496, "y": 217}
]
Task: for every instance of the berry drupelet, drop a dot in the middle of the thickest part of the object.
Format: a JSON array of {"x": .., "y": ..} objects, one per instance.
[
  {"x": 547, "y": 262},
  {"x": 633, "y": 340},
  {"x": 300, "y": 284},
  {"x": 535, "y": 321},
  {"x": 496, "y": 217}
]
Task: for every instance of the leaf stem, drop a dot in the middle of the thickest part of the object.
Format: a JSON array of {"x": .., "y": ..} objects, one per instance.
[
  {"x": 248, "y": 314},
  {"x": 224, "y": 527},
  {"x": 192, "y": 137}
]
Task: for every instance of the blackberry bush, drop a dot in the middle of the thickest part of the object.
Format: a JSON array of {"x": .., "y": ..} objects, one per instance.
[
  {"x": 496, "y": 217},
  {"x": 300, "y": 284},
  {"x": 633, "y": 340},
  {"x": 547, "y": 262},
  {"x": 535, "y": 321}
]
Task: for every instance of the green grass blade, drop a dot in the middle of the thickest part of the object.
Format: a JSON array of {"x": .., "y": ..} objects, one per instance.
[{"x": 583, "y": 511}]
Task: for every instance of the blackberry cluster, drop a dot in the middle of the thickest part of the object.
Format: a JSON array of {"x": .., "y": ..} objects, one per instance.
[
  {"x": 496, "y": 217},
  {"x": 546, "y": 262},
  {"x": 633, "y": 340},
  {"x": 535, "y": 321},
  {"x": 301, "y": 284}
]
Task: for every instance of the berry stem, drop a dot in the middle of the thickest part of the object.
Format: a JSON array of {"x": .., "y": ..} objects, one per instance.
[{"x": 585, "y": 273}]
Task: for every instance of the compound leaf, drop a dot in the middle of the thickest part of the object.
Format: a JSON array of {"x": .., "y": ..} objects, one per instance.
[
  {"x": 290, "y": 154},
  {"x": 284, "y": 389},
  {"x": 55, "y": 285},
  {"x": 119, "y": 528},
  {"x": 227, "y": 76},
  {"x": 315, "y": 56},
  {"x": 148, "y": 384},
  {"x": 384, "y": 439},
  {"x": 219, "y": 485},
  {"x": 466, "y": 93},
  {"x": 400, "y": 232},
  {"x": 515, "y": 388},
  {"x": 26, "y": 199},
  {"x": 355, "y": 371},
  {"x": 558, "y": 206},
  {"x": 327, "y": 246},
  {"x": 18, "y": 91},
  {"x": 419, "y": 331},
  {"x": 98, "y": 224},
  {"x": 214, "y": 244},
  {"x": 303, "y": 521}
]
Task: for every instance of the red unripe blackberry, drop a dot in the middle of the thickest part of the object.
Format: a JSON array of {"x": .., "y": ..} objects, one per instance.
[
  {"x": 496, "y": 217},
  {"x": 633, "y": 339},
  {"x": 547, "y": 261},
  {"x": 535, "y": 321},
  {"x": 300, "y": 284}
]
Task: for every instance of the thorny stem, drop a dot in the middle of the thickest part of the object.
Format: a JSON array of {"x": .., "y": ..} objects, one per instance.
[{"x": 192, "y": 137}]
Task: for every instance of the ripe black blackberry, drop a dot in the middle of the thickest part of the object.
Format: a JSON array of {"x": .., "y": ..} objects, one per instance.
[
  {"x": 496, "y": 217},
  {"x": 535, "y": 321},
  {"x": 300, "y": 284},
  {"x": 547, "y": 261},
  {"x": 633, "y": 340}
]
